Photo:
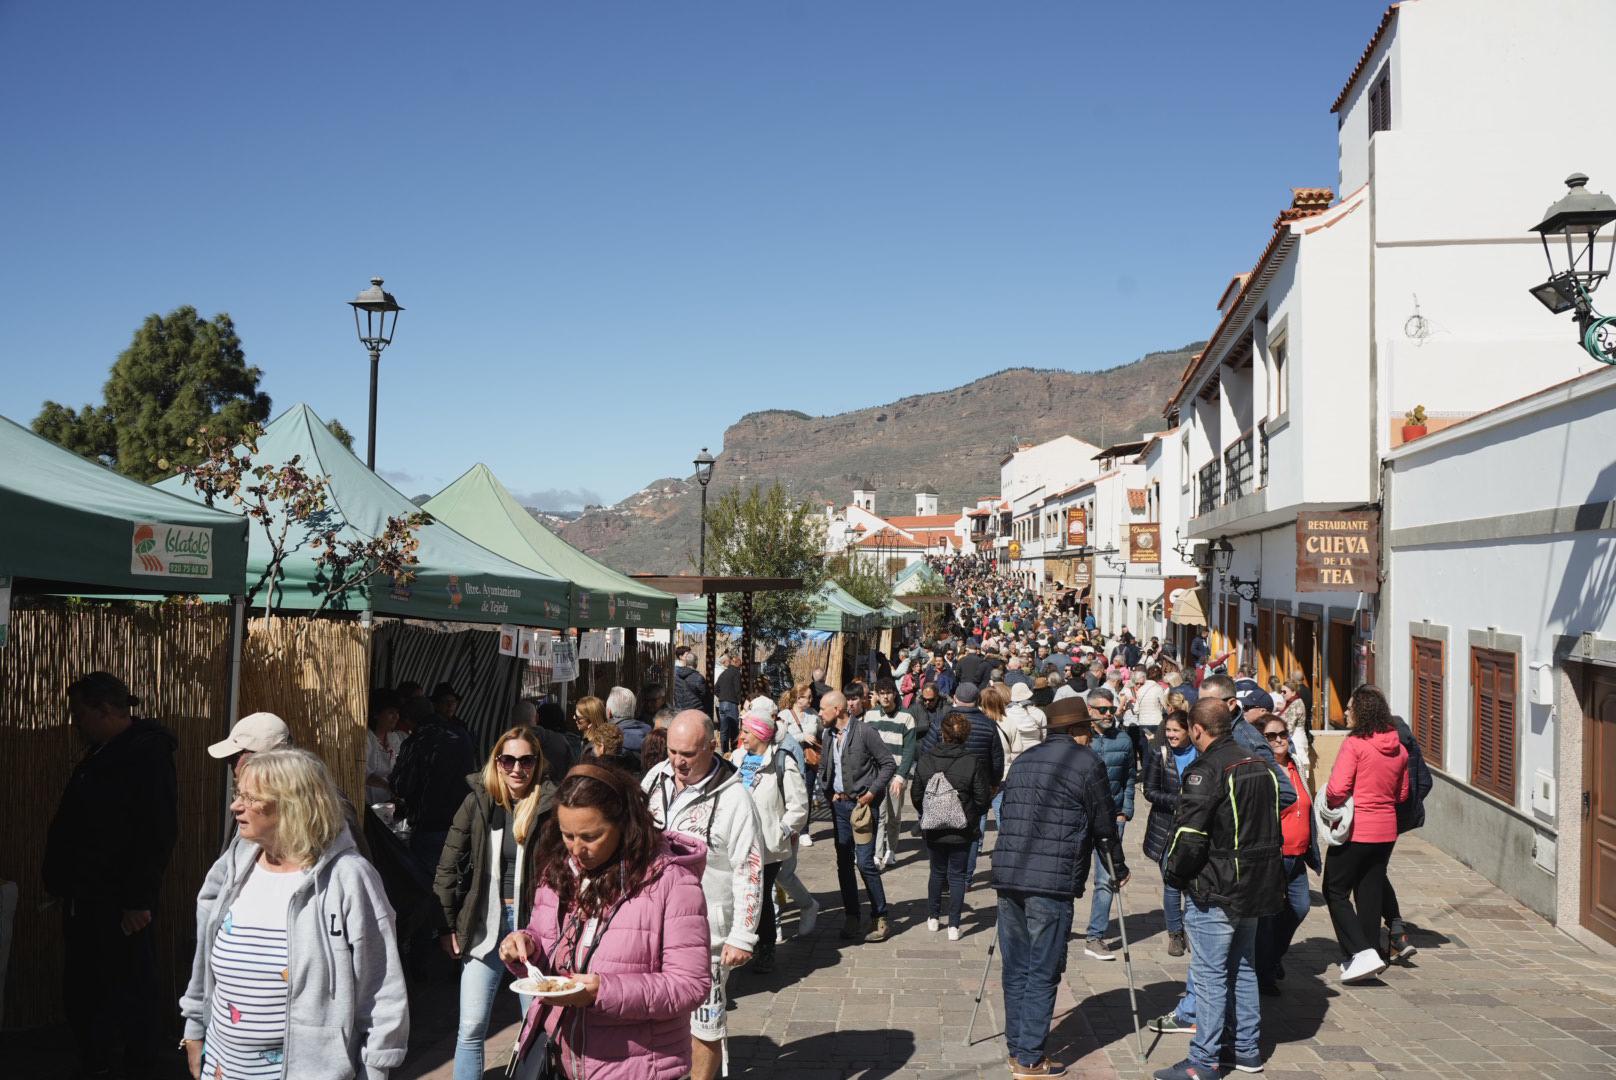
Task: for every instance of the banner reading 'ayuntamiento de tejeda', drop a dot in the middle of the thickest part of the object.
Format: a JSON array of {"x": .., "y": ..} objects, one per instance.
[{"x": 1338, "y": 551}]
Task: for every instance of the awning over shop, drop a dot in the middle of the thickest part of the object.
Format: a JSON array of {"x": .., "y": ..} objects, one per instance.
[
  {"x": 1189, "y": 607},
  {"x": 455, "y": 580},
  {"x": 478, "y": 506},
  {"x": 896, "y": 613},
  {"x": 69, "y": 524}
]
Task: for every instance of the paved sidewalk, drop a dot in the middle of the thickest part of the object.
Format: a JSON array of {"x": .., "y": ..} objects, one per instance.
[{"x": 1494, "y": 991}]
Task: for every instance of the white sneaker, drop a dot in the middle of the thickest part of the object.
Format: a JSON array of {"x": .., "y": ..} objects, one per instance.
[
  {"x": 805, "y": 840},
  {"x": 1365, "y": 965},
  {"x": 808, "y": 920},
  {"x": 953, "y": 933},
  {"x": 933, "y": 925}
]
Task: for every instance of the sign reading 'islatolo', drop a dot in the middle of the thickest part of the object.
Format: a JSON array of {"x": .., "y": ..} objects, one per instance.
[{"x": 1338, "y": 551}]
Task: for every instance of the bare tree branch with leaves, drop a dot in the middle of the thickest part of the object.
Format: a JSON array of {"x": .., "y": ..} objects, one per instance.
[{"x": 287, "y": 497}]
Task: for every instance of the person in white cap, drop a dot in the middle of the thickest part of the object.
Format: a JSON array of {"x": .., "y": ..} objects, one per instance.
[{"x": 258, "y": 733}]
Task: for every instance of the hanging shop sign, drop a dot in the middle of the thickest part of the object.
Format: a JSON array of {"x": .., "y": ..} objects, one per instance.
[
  {"x": 1015, "y": 549},
  {"x": 563, "y": 660},
  {"x": 1077, "y": 528},
  {"x": 1082, "y": 574},
  {"x": 1338, "y": 551},
  {"x": 1144, "y": 543},
  {"x": 159, "y": 550},
  {"x": 1171, "y": 587}
]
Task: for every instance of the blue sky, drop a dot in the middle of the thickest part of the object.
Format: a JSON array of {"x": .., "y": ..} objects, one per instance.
[{"x": 616, "y": 227}]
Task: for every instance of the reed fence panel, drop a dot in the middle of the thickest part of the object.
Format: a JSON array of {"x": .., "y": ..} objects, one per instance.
[{"x": 176, "y": 659}]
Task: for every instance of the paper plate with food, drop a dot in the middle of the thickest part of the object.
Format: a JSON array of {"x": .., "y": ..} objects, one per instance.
[{"x": 545, "y": 986}]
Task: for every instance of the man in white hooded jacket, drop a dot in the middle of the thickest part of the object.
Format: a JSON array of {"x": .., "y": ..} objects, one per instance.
[{"x": 698, "y": 793}]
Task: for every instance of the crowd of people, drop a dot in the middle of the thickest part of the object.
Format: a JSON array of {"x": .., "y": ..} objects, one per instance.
[{"x": 643, "y": 850}]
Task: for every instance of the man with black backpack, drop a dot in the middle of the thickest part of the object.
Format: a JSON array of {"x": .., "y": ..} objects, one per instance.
[{"x": 1410, "y": 815}]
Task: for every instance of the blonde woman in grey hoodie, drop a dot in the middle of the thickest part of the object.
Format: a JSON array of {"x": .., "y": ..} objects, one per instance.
[{"x": 296, "y": 974}]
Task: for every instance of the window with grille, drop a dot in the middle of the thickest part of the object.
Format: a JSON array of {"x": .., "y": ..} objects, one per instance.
[
  {"x": 1428, "y": 672},
  {"x": 1493, "y": 722},
  {"x": 1380, "y": 104}
]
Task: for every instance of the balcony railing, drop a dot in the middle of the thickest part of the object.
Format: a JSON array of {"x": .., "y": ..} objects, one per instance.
[
  {"x": 1237, "y": 468},
  {"x": 1211, "y": 486},
  {"x": 1262, "y": 468}
]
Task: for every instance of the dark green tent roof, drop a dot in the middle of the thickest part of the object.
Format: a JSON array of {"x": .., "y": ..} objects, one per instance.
[
  {"x": 69, "y": 524},
  {"x": 456, "y": 579}
]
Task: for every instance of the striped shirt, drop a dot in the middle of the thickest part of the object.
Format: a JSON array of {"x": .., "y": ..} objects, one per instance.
[
  {"x": 898, "y": 732},
  {"x": 247, "y": 1029}
]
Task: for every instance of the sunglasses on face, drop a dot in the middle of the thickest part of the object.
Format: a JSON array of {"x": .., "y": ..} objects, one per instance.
[
  {"x": 1103, "y": 710},
  {"x": 1277, "y": 736},
  {"x": 510, "y": 763}
]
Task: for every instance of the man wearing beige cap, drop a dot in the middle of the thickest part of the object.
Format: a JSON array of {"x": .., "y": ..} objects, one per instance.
[{"x": 253, "y": 734}]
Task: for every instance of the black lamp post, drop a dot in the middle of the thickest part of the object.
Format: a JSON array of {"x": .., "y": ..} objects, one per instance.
[
  {"x": 375, "y": 334},
  {"x": 1576, "y": 219},
  {"x": 704, "y": 476},
  {"x": 1222, "y": 559}
]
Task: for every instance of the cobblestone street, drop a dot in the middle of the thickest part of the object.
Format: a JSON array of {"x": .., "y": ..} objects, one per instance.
[{"x": 1493, "y": 991}]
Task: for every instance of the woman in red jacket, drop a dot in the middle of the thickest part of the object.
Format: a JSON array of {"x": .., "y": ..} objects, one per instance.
[{"x": 1372, "y": 770}]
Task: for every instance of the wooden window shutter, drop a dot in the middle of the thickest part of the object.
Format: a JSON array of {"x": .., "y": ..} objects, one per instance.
[
  {"x": 1429, "y": 707},
  {"x": 1492, "y": 683},
  {"x": 1380, "y": 104}
]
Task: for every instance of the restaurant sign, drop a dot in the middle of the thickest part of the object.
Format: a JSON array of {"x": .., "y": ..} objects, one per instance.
[
  {"x": 1144, "y": 543},
  {"x": 1082, "y": 573},
  {"x": 1015, "y": 549},
  {"x": 1338, "y": 551},
  {"x": 1077, "y": 528}
]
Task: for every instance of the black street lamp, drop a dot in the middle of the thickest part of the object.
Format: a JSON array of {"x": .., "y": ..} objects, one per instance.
[
  {"x": 1577, "y": 218},
  {"x": 1222, "y": 559},
  {"x": 375, "y": 334},
  {"x": 704, "y": 475}
]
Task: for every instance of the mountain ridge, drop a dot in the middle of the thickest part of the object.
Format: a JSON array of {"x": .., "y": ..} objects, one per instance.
[{"x": 951, "y": 441}]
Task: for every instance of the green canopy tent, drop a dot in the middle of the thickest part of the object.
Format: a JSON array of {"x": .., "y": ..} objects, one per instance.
[
  {"x": 837, "y": 611},
  {"x": 455, "y": 580},
  {"x": 918, "y": 579},
  {"x": 896, "y": 613},
  {"x": 71, "y": 525},
  {"x": 479, "y": 507}
]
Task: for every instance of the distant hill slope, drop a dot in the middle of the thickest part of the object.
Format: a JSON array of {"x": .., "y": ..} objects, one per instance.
[{"x": 950, "y": 440}]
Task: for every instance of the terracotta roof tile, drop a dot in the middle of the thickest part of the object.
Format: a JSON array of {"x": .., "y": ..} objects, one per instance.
[
  {"x": 1369, "y": 50},
  {"x": 922, "y": 521}
]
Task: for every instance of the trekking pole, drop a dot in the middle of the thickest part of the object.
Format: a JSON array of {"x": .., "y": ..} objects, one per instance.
[
  {"x": 1127, "y": 960},
  {"x": 980, "y": 990}
]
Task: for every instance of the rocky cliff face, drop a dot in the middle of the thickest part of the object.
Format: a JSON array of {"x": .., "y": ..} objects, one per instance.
[{"x": 950, "y": 441}]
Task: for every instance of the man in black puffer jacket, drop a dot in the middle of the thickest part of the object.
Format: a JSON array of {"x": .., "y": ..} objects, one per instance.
[
  {"x": 1057, "y": 810},
  {"x": 1225, "y": 855}
]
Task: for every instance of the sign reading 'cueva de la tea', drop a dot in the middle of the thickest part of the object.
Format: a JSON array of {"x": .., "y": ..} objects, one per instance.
[{"x": 159, "y": 550}]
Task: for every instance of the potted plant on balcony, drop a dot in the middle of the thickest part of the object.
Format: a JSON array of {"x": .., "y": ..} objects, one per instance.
[{"x": 1414, "y": 423}]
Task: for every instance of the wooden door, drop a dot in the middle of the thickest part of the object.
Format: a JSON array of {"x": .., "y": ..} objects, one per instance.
[
  {"x": 1599, "y": 806},
  {"x": 1265, "y": 646},
  {"x": 1340, "y": 671},
  {"x": 1304, "y": 647}
]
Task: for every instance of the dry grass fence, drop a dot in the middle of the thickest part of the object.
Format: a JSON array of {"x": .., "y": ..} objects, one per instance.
[{"x": 176, "y": 660}]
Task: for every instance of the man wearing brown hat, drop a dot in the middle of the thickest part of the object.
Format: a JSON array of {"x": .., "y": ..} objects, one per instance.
[{"x": 1056, "y": 812}]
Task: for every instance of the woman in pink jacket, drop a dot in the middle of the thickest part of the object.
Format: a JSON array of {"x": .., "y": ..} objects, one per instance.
[
  {"x": 620, "y": 910},
  {"x": 1371, "y": 770}
]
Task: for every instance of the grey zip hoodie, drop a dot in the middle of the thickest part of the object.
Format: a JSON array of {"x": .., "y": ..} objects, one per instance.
[{"x": 348, "y": 1012}]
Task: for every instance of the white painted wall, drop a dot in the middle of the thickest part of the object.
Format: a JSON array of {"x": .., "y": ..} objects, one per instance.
[
  {"x": 1053, "y": 465},
  {"x": 1552, "y": 451}
]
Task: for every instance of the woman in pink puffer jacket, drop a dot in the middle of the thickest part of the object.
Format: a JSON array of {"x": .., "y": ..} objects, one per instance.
[{"x": 620, "y": 910}]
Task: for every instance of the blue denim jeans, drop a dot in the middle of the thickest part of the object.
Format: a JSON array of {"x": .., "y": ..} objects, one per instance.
[
  {"x": 729, "y": 724},
  {"x": 947, "y": 873},
  {"x": 1100, "y": 907},
  {"x": 849, "y": 853},
  {"x": 1032, "y": 950},
  {"x": 1222, "y": 966},
  {"x": 1274, "y": 932},
  {"x": 975, "y": 850},
  {"x": 1173, "y": 909},
  {"x": 480, "y": 980}
]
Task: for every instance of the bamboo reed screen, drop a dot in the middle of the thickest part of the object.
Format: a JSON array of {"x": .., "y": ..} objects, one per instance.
[{"x": 176, "y": 659}]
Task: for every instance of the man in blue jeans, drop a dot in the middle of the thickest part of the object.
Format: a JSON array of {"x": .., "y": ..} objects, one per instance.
[
  {"x": 1116, "y": 752},
  {"x": 855, "y": 771},
  {"x": 1056, "y": 813},
  {"x": 1225, "y": 856}
]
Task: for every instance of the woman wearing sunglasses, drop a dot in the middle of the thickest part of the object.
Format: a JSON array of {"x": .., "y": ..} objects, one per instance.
[
  {"x": 486, "y": 878},
  {"x": 1301, "y": 851}
]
